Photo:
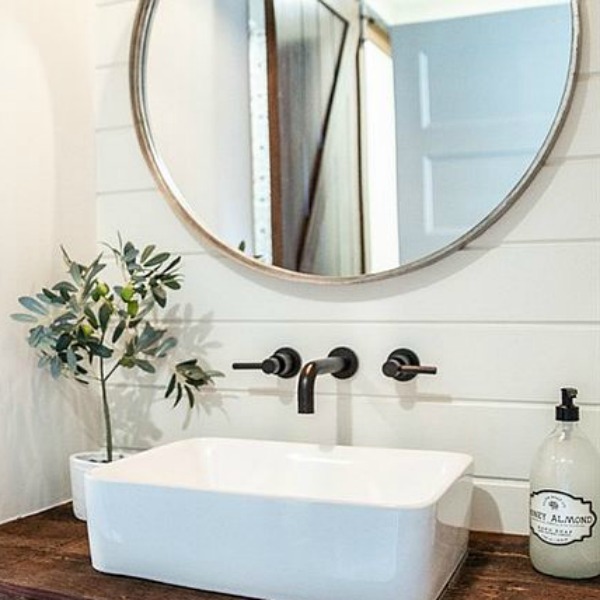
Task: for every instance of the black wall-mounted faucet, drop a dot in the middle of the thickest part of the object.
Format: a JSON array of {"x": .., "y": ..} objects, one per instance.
[
  {"x": 403, "y": 365},
  {"x": 285, "y": 363},
  {"x": 341, "y": 362}
]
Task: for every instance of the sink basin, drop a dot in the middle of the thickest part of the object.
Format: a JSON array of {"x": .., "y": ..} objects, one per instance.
[{"x": 283, "y": 521}]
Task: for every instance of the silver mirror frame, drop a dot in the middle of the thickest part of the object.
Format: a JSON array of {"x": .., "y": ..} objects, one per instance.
[{"x": 137, "y": 83}]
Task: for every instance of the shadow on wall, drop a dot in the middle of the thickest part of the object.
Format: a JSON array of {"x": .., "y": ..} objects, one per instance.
[
  {"x": 42, "y": 425},
  {"x": 487, "y": 512},
  {"x": 137, "y": 400}
]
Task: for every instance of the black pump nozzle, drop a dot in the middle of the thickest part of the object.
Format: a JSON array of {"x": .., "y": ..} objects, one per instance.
[{"x": 567, "y": 411}]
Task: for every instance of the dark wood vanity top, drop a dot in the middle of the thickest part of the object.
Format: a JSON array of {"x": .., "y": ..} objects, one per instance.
[{"x": 46, "y": 557}]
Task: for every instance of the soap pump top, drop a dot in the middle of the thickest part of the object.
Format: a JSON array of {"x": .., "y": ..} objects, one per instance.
[{"x": 566, "y": 410}]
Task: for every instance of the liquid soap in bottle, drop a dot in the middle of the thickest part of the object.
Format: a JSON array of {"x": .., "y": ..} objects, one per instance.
[{"x": 564, "y": 509}]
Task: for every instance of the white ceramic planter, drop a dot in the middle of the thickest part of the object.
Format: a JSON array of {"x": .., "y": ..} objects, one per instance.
[{"x": 79, "y": 465}]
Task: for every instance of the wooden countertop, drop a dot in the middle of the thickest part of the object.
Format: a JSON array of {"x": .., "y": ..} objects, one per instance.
[{"x": 46, "y": 557}]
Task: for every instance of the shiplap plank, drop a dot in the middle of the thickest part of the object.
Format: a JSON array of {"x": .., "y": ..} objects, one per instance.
[
  {"x": 113, "y": 32},
  {"x": 552, "y": 207},
  {"x": 537, "y": 283},
  {"x": 144, "y": 217},
  {"x": 502, "y": 438},
  {"x": 501, "y": 363},
  {"x": 581, "y": 134},
  {"x": 120, "y": 165},
  {"x": 111, "y": 101}
]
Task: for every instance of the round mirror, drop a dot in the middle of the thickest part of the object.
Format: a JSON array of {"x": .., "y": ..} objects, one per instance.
[{"x": 346, "y": 140}]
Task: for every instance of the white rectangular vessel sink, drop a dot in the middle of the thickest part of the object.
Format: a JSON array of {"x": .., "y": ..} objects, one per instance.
[{"x": 283, "y": 521}]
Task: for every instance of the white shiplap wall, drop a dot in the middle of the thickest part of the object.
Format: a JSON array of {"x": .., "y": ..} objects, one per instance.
[{"x": 508, "y": 321}]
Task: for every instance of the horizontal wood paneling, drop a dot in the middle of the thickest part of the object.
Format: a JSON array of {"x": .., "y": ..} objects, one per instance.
[
  {"x": 538, "y": 283},
  {"x": 499, "y": 363}
]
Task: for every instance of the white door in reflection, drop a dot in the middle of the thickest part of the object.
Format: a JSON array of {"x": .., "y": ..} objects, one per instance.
[{"x": 475, "y": 98}]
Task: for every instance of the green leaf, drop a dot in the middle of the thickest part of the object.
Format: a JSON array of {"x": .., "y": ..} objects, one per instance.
[
  {"x": 67, "y": 318},
  {"x": 130, "y": 253},
  {"x": 173, "y": 264},
  {"x": 159, "y": 295},
  {"x": 91, "y": 317},
  {"x": 43, "y": 298},
  {"x": 190, "y": 395},
  {"x": 118, "y": 332},
  {"x": 55, "y": 367},
  {"x": 150, "y": 336},
  {"x": 91, "y": 273},
  {"x": 104, "y": 315},
  {"x": 158, "y": 259},
  {"x": 179, "y": 394},
  {"x": 66, "y": 257},
  {"x": 148, "y": 250},
  {"x": 172, "y": 284},
  {"x": 187, "y": 363},
  {"x": 215, "y": 374},
  {"x": 22, "y": 318},
  {"x": 99, "y": 350},
  {"x": 164, "y": 348},
  {"x": 71, "y": 360},
  {"x": 36, "y": 336},
  {"x": 63, "y": 342},
  {"x": 52, "y": 297},
  {"x": 64, "y": 287},
  {"x": 75, "y": 272},
  {"x": 171, "y": 385},
  {"x": 144, "y": 365},
  {"x": 33, "y": 305}
]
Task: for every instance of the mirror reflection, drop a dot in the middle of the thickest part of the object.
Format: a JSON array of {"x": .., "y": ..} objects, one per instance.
[{"x": 340, "y": 138}]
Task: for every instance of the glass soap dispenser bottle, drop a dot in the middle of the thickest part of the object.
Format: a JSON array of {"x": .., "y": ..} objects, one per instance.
[{"x": 564, "y": 509}]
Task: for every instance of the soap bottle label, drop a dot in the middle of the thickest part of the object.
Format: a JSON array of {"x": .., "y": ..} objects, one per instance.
[{"x": 560, "y": 519}]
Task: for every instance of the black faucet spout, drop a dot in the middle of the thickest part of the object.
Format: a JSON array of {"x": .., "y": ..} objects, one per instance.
[{"x": 342, "y": 363}]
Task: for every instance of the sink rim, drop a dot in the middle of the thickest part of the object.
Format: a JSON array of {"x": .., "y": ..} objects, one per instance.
[{"x": 116, "y": 473}]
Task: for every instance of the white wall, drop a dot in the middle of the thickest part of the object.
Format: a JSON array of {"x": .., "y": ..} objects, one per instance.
[
  {"x": 47, "y": 174},
  {"x": 508, "y": 321}
]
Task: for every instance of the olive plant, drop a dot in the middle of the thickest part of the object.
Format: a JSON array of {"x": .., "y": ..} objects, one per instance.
[{"x": 85, "y": 329}]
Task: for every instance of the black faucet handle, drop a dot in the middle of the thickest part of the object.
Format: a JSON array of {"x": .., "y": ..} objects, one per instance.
[
  {"x": 349, "y": 365},
  {"x": 404, "y": 365},
  {"x": 284, "y": 362}
]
